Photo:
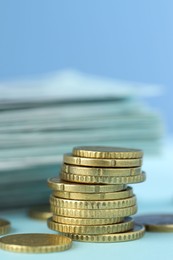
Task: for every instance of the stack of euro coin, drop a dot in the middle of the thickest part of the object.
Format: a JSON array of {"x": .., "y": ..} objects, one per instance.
[{"x": 91, "y": 201}]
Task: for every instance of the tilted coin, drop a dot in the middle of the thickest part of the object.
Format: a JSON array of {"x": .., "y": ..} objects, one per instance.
[
  {"x": 103, "y": 179},
  {"x": 60, "y": 185},
  {"x": 41, "y": 212},
  {"x": 94, "y": 171},
  {"x": 106, "y": 152},
  {"x": 156, "y": 222},
  {"x": 95, "y": 196},
  {"x": 94, "y": 213},
  {"x": 136, "y": 233},
  {"x": 126, "y": 225},
  {"x": 100, "y": 204},
  {"x": 35, "y": 243},
  {"x": 86, "y": 221},
  {"x": 81, "y": 161},
  {"x": 4, "y": 226}
]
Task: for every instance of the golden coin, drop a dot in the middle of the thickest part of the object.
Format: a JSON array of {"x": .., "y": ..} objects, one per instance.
[
  {"x": 100, "y": 171},
  {"x": 4, "y": 226},
  {"x": 60, "y": 185},
  {"x": 126, "y": 225},
  {"x": 107, "y": 152},
  {"x": 136, "y": 233},
  {"x": 81, "y": 161},
  {"x": 103, "y": 179},
  {"x": 95, "y": 196},
  {"x": 97, "y": 204},
  {"x": 94, "y": 213},
  {"x": 41, "y": 212},
  {"x": 35, "y": 243},
  {"x": 156, "y": 222},
  {"x": 86, "y": 221}
]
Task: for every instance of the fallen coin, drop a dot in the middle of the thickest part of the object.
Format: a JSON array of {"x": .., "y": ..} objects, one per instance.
[
  {"x": 4, "y": 226},
  {"x": 156, "y": 222},
  {"x": 35, "y": 243},
  {"x": 40, "y": 212}
]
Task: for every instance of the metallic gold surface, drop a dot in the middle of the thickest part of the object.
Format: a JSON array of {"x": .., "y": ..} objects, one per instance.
[
  {"x": 4, "y": 226},
  {"x": 59, "y": 185},
  {"x": 106, "y": 152},
  {"x": 81, "y": 161},
  {"x": 86, "y": 221},
  {"x": 35, "y": 243},
  {"x": 126, "y": 225},
  {"x": 95, "y": 196},
  {"x": 80, "y": 204},
  {"x": 93, "y": 171},
  {"x": 94, "y": 213},
  {"x": 103, "y": 179},
  {"x": 41, "y": 212},
  {"x": 137, "y": 232}
]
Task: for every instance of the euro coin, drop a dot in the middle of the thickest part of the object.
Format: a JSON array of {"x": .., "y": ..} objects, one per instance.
[
  {"x": 94, "y": 162},
  {"x": 4, "y": 226},
  {"x": 126, "y": 225},
  {"x": 93, "y": 171},
  {"x": 41, "y": 212},
  {"x": 80, "y": 204},
  {"x": 156, "y": 222},
  {"x": 35, "y": 243},
  {"x": 103, "y": 179},
  {"x": 136, "y": 233},
  {"x": 60, "y": 185},
  {"x": 86, "y": 221},
  {"x": 107, "y": 152},
  {"x": 94, "y": 213},
  {"x": 128, "y": 192}
]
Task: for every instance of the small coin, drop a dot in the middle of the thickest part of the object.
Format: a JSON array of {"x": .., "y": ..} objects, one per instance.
[
  {"x": 101, "y": 171},
  {"x": 80, "y": 204},
  {"x": 95, "y": 196},
  {"x": 103, "y": 179},
  {"x": 94, "y": 213},
  {"x": 41, "y": 212},
  {"x": 35, "y": 243},
  {"x": 4, "y": 226},
  {"x": 156, "y": 222},
  {"x": 126, "y": 225},
  {"x": 60, "y": 185},
  {"x": 106, "y": 152},
  {"x": 81, "y": 161},
  {"x": 136, "y": 233},
  {"x": 86, "y": 221}
]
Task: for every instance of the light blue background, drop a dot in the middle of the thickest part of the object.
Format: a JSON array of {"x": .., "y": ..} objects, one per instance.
[{"x": 131, "y": 40}]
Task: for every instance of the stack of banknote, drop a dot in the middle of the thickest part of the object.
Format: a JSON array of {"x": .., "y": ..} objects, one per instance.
[{"x": 42, "y": 119}]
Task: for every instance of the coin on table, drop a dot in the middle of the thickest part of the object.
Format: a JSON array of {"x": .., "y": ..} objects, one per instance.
[
  {"x": 126, "y": 225},
  {"x": 94, "y": 213},
  {"x": 35, "y": 243},
  {"x": 97, "y": 204},
  {"x": 4, "y": 226},
  {"x": 136, "y": 233},
  {"x": 94, "y": 171},
  {"x": 156, "y": 222},
  {"x": 128, "y": 192},
  {"x": 60, "y": 185},
  {"x": 103, "y": 179},
  {"x": 106, "y": 152},
  {"x": 41, "y": 212},
  {"x": 86, "y": 221},
  {"x": 95, "y": 162}
]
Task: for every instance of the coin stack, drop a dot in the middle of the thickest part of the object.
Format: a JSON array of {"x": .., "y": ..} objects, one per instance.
[{"x": 91, "y": 200}]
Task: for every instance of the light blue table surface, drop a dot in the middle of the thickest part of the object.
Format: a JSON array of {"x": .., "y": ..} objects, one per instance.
[{"x": 154, "y": 196}]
